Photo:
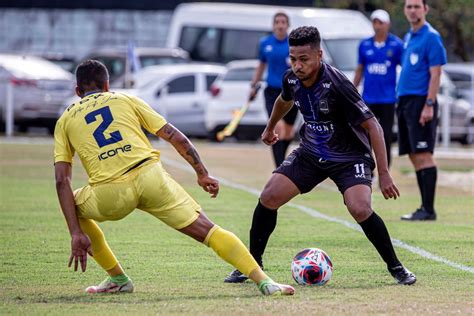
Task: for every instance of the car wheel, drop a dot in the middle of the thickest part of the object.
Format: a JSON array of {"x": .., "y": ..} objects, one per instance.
[{"x": 212, "y": 135}]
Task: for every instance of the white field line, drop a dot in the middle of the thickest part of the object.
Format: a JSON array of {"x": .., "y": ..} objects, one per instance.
[{"x": 398, "y": 243}]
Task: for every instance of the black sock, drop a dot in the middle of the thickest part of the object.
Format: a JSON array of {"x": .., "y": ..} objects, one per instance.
[
  {"x": 419, "y": 179},
  {"x": 263, "y": 223},
  {"x": 278, "y": 153},
  {"x": 375, "y": 230},
  {"x": 428, "y": 177}
]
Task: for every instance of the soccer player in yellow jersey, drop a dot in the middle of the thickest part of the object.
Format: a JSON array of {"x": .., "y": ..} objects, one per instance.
[{"x": 125, "y": 173}]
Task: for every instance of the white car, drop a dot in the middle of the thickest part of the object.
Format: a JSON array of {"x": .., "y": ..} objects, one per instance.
[
  {"x": 39, "y": 90},
  {"x": 180, "y": 93},
  {"x": 229, "y": 93},
  {"x": 119, "y": 67}
]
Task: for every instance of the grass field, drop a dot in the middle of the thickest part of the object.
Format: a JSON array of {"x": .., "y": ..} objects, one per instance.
[{"x": 175, "y": 275}]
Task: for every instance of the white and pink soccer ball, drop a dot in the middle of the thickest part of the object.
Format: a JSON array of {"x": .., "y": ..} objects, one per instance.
[{"x": 311, "y": 266}]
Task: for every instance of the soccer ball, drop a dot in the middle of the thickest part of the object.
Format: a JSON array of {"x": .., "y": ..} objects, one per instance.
[{"x": 311, "y": 266}]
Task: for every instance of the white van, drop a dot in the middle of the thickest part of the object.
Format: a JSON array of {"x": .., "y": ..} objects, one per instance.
[{"x": 222, "y": 32}]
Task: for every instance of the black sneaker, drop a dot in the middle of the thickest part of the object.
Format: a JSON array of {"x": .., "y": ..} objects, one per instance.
[
  {"x": 235, "y": 277},
  {"x": 419, "y": 215},
  {"x": 402, "y": 275}
]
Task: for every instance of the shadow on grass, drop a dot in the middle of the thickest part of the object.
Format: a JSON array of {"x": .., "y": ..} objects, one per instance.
[{"x": 122, "y": 298}]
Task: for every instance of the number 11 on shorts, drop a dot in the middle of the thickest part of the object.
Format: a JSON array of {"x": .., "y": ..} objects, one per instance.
[{"x": 359, "y": 170}]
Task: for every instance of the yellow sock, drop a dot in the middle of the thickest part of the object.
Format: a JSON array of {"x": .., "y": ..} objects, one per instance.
[
  {"x": 101, "y": 251},
  {"x": 231, "y": 249}
]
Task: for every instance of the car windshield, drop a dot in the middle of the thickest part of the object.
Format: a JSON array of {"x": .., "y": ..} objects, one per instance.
[
  {"x": 343, "y": 52},
  {"x": 146, "y": 61},
  {"x": 219, "y": 44},
  {"x": 239, "y": 74}
]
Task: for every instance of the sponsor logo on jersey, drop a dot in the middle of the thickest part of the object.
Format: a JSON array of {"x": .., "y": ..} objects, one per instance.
[
  {"x": 114, "y": 152},
  {"x": 327, "y": 85},
  {"x": 268, "y": 48},
  {"x": 321, "y": 128},
  {"x": 292, "y": 81},
  {"x": 323, "y": 106},
  {"x": 413, "y": 59},
  {"x": 377, "y": 69}
]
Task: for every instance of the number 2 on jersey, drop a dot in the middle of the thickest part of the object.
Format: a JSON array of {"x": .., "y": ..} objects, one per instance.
[{"x": 107, "y": 119}]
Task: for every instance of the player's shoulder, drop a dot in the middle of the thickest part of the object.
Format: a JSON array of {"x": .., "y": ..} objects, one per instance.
[
  {"x": 394, "y": 40},
  {"x": 431, "y": 31},
  {"x": 334, "y": 74},
  {"x": 366, "y": 42},
  {"x": 268, "y": 39},
  {"x": 289, "y": 77}
]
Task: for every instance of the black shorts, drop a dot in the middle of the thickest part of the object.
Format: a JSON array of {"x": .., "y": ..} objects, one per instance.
[
  {"x": 271, "y": 94},
  {"x": 412, "y": 137},
  {"x": 307, "y": 171}
]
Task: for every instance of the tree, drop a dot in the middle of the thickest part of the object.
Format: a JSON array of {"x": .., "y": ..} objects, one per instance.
[{"x": 454, "y": 19}]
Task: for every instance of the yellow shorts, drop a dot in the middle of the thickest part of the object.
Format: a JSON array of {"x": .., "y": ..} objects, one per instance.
[{"x": 149, "y": 188}]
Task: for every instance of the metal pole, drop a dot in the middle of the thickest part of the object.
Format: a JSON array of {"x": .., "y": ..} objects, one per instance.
[
  {"x": 9, "y": 110},
  {"x": 445, "y": 124}
]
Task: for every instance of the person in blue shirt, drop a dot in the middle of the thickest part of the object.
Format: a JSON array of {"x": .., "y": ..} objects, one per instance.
[
  {"x": 379, "y": 56},
  {"x": 337, "y": 139},
  {"x": 417, "y": 109},
  {"x": 273, "y": 52}
]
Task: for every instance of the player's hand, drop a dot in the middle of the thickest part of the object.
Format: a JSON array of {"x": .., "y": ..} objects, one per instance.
[
  {"x": 209, "y": 184},
  {"x": 80, "y": 247},
  {"x": 388, "y": 187},
  {"x": 269, "y": 137},
  {"x": 253, "y": 93},
  {"x": 426, "y": 115}
]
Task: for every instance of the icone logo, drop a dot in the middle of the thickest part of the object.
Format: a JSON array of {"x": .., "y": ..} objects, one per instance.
[
  {"x": 321, "y": 127},
  {"x": 114, "y": 152}
]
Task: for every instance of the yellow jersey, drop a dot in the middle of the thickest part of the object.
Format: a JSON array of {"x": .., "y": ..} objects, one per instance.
[{"x": 105, "y": 129}]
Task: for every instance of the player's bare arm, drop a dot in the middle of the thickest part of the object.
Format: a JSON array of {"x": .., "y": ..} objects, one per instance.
[
  {"x": 359, "y": 73},
  {"x": 387, "y": 186},
  {"x": 187, "y": 150},
  {"x": 257, "y": 76},
  {"x": 435, "y": 78},
  {"x": 80, "y": 243},
  {"x": 280, "y": 108}
]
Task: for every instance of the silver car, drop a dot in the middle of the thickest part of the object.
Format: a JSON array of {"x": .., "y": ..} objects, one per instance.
[
  {"x": 39, "y": 89},
  {"x": 120, "y": 68}
]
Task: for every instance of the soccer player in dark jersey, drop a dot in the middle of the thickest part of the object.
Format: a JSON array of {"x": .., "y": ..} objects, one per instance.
[{"x": 337, "y": 138}]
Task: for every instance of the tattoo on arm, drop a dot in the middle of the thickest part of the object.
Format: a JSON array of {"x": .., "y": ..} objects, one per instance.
[
  {"x": 184, "y": 147},
  {"x": 191, "y": 152},
  {"x": 169, "y": 131}
]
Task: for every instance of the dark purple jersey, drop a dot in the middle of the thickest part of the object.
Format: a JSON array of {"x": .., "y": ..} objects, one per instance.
[{"x": 333, "y": 111}]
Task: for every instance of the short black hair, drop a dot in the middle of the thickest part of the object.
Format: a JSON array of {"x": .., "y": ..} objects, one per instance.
[
  {"x": 91, "y": 74},
  {"x": 283, "y": 14},
  {"x": 305, "y": 35}
]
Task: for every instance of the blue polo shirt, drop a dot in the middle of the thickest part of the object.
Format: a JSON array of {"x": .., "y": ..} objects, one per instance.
[
  {"x": 380, "y": 68},
  {"x": 423, "y": 49},
  {"x": 275, "y": 54}
]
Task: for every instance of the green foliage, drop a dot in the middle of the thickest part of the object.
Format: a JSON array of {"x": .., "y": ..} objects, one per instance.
[{"x": 454, "y": 19}]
